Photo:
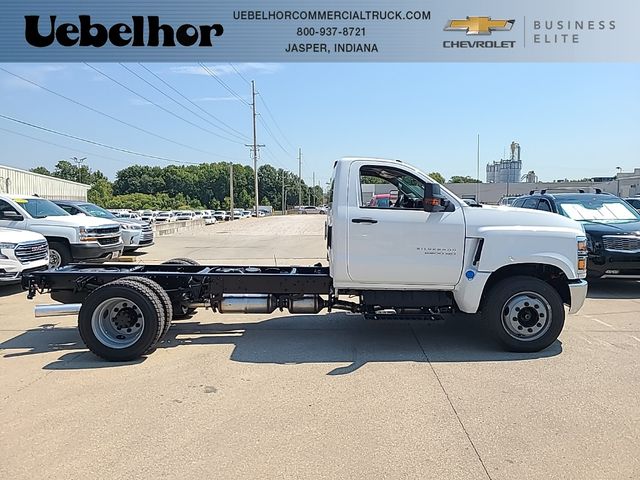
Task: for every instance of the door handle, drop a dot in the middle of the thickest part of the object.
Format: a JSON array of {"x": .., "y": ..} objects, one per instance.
[{"x": 363, "y": 220}]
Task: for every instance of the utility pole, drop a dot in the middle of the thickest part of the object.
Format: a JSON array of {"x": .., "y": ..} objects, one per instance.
[
  {"x": 313, "y": 186},
  {"x": 299, "y": 177},
  {"x": 284, "y": 200},
  {"x": 478, "y": 172},
  {"x": 231, "y": 190},
  {"x": 255, "y": 145}
]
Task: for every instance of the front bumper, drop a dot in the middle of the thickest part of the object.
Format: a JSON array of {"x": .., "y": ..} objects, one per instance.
[
  {"x": 620, "y": 263},
  {"x": 95, "y": 251},
  {"x": 137, "y": 238},
  {"x": 13, "y": 273},
  {"x": 578, "y": 294}
]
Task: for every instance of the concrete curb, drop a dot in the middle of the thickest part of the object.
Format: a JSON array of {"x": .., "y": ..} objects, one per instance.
[{"x": 161, "y": 229}]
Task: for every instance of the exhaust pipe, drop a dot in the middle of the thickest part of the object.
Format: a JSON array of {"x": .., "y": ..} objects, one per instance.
[{"x": 57, "y": 310}]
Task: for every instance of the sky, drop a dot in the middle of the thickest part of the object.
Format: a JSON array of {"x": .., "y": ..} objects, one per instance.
[{"x": 571, "y": 120}]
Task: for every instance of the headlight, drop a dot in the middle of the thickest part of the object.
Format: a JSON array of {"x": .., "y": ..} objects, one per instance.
[
  {"x": 7, "y": 246},
  {"x": 130, "y": 226},
  {"x": 582, "y": 255},
  {"x": 583, "y": 247}
]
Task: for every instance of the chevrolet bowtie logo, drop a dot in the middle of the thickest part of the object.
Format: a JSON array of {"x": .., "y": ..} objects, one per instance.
[{"x": 479, "y": 25}]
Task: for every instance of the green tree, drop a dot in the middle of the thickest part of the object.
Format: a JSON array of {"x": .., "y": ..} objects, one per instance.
[
  {"x": 101, "y": 192},
  {"x": 437, "y": 176},
  {"x": 465, "y": 179},
  {"x": 41, "y": 171}
]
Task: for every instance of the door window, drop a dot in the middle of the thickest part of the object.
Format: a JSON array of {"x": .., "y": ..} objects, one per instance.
[
  {"x": 68, "y": 208},
  {"x": 7, "y": 212},
  {"x": 544, "y": 205},
  {"x": 390, "y": 188},
  {"x": 530, "y": 203}
]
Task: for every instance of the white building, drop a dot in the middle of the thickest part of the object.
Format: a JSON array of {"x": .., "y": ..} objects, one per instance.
[
  {"x": 21, "y": 182},
  {"x": 506, "y": 170}
]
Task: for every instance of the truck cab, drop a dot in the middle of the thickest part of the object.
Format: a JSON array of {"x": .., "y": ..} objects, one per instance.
[
  {"x": 429, "y": 248},
  {"x": 71, "y": 238}
]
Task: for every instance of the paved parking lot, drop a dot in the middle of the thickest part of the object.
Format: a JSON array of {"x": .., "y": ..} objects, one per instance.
[{"x": 326, "y": 396}]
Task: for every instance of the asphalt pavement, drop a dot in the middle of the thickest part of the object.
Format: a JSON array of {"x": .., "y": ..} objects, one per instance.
[{"x": 319, "y": 396}]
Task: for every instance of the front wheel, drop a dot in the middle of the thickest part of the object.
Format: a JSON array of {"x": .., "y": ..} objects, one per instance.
[
  {"x": 59, "y": 255},
  {"x": 525, "y": 314}
]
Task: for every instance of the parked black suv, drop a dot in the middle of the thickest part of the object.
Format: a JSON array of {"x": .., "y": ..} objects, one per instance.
[{"x": 611, "y": 224}]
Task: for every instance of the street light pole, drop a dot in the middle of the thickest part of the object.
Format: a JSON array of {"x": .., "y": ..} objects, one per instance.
[{"x": 619, "y": 169}]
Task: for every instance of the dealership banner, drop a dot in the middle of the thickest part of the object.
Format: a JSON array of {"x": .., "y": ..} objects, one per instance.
[{"x": 319, "y": 31}]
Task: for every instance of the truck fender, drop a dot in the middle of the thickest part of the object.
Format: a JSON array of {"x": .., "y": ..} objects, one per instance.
[{"x": 469, "y": 293}]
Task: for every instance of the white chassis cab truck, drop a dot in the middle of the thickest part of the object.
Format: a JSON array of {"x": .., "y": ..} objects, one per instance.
[{"x": 425, "y": 255}]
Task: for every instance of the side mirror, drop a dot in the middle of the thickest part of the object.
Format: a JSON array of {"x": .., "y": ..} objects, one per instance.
[
  {"x": 433, "y": 200},
  {"x": 11, "y": 216}
]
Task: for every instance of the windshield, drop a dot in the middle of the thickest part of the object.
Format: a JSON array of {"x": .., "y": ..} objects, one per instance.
[
  {"x": 40, "y": 208},
  {"x": 96, "y": 211},
  {"x": 597, "y": 209}
]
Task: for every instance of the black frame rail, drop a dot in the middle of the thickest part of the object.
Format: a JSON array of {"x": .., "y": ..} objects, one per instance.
[{"x": 207, "y": 279}]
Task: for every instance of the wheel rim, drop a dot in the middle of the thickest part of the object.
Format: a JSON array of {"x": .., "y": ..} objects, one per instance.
[
  {"x": 526, "y": 316},
  {"x": 117, "y": 323},
  {"x": 55, "y": 259}
]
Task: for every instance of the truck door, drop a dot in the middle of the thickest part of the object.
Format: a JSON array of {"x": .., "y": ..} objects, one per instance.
[
  {"x": 10, "y": 217},
  {"x": 400, "y": 244}
]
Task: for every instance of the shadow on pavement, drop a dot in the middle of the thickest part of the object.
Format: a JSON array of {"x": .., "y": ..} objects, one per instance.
[
  {"x": 301, "y": 339},
  {"x": 49, "y": 338},
  {"x": 613, "y": 288},
  {"x": 11, "y": 289}
]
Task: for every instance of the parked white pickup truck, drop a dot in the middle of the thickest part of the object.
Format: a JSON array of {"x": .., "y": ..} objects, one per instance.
[
  {"x": 71, "y": 237},
  {"x": 424, "y": 255},
  {"x": 21, "y": 252}
]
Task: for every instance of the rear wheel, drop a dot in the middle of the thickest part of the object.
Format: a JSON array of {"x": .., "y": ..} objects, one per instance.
[
  {"x": 180, "y": 310},
  {"x": 181, "y": 261},
  {"x": 162, "y": 296},
  {"x": 121, "y": 321},
  {"x": 525, "y": 314}
]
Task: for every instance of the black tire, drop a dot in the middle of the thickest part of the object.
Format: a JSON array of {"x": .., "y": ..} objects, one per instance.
[
  {"x": 143, "y": 299},
  {"x": 525, "y": 314},
  {"x": 60, "y": 250},
  {"x": 180, "y": 261},
  {"x": 161, "y": 294},
  {"x": 181, "y": 311}
]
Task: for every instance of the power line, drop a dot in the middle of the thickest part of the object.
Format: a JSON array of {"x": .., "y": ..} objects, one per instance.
[
  {"x": 273, "y": 157},
  {"x": 264, "y": 124},
  {"x": 241, "y": 76},
  {"x": 93, "y": 142},
  {"x": 227, "y": 87},
  {"x": 239, "y": 134},
  {"x": 274, "y": 121},
  {"x": 151, "y": 101},
  {"x": 179, "y": 104},
  {"x": 99, "y": 112},
  {"x": 66, "y": 147}
]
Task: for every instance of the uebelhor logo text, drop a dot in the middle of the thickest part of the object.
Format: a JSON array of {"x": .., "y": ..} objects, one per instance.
[{"x": 120, "y": 34}]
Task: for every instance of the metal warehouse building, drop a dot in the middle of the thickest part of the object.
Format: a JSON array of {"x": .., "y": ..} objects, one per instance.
[{"x": 22, "y": 182}]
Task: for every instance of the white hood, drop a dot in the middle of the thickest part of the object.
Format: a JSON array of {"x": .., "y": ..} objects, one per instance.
[
  {"x": 510, "y": 218},
  {"x": 76, "y": 221},
  {"x": 11, "y": 235}
]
